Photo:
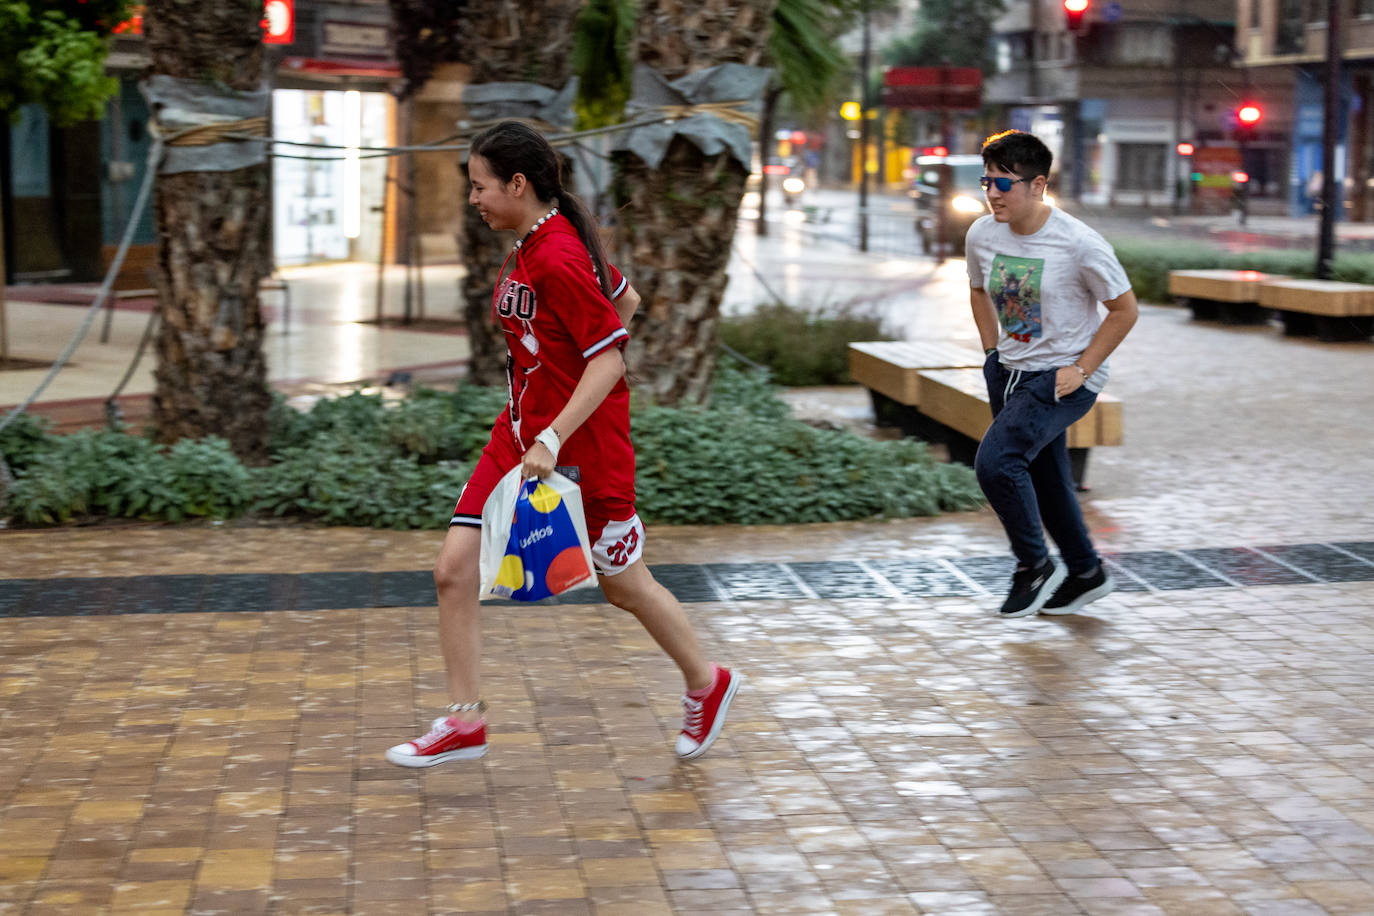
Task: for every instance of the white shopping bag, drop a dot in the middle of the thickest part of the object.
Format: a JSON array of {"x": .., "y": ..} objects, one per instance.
[{"x": 534, "y": 539}]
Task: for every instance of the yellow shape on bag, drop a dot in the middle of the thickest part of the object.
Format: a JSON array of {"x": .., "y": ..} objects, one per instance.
[
  {"x": 545, "y": 499},
  {"x": 512, "y": 573}
]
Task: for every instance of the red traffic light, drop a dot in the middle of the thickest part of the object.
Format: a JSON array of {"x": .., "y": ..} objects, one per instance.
[
  {"x": 1185, "y": 149},
  {"x": 1240, "y": 177},
  {"x": 1249, "y": 115},
  {"x": 934, "y": 151},
  {"x": 1073, "y": 13}
]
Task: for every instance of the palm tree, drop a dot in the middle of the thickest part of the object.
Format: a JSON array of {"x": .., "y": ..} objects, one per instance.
[
  {"x": 807, "y": 63},
  {"x": 676, "y": 222},
  {"x": 213, "y": 251}
]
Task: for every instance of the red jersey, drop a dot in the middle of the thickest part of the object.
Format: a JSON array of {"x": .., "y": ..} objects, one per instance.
[{"x": 556, "y": 319}]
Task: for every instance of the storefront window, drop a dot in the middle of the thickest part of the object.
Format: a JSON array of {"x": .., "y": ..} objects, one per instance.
[
  {"x": 1140, "y": 166},
  {"x": 325, "y": 203}
]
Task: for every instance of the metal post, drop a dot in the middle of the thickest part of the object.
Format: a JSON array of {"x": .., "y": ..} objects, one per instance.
[
  {"x": 1330, "y": 113},
  {"x": 863, "y": 133}
]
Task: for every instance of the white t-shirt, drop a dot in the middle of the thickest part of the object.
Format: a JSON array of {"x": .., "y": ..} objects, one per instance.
[{"x": 1046, "y": 288}]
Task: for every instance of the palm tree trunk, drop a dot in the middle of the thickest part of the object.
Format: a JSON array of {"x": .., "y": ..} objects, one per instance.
[
  {"x": 677, "y": 222},
  {"x": 211, "y": 376}
]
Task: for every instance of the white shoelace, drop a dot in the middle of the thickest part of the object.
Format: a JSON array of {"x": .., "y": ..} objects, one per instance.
[{"x": 691, "y": 724}]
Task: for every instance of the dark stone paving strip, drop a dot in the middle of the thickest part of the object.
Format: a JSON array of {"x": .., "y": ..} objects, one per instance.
[
  {"x": 688, "y": 581},
  {"x": 992, "y": 573},
  {"x": 405, "y": 588},
  {"x": 1166, "y": 571},
  {"x": 921, "y": 578},
  {"x": 1325, "y": 563},
  {"x": 1247, "y": 567},
  {"x": 250, "y": 592},
  {"x": 1359, "y": 548},
  {"x": 839, "y": 580},
  {"x": 1212, "y": 567},
  {"x": 755, "y": 581}
]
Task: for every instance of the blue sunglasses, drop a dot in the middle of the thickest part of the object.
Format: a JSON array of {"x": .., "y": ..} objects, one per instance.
[{"x": 1003, "y": 184}]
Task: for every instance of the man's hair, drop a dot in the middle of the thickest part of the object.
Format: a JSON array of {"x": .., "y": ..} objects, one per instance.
[{"x": 1018, "y": 152}]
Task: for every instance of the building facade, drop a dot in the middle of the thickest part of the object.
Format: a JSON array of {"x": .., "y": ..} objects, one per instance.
[
  {"x": 69, "y": 192},
  {"x": 1115, "y": 99},
  {"x": 1290, "y": 36}
]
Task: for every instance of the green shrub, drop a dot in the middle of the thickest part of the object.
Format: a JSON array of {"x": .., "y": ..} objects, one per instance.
[
  {"x": 1148, "y": 264},
  {"x": 742, "y": 461},
  {"x": 116, "y": 475},
  {"x": 357, "y": 460},
  {"x": 22, "y": 439},
  {"x": 801, "y": 348}
]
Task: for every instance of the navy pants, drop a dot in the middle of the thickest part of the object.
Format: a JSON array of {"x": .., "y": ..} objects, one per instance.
[{"x": 1023, "y": 465}]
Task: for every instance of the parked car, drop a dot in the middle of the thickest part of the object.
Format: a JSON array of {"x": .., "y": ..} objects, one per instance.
[
  {"x": 964, "y": 200},
  {"x": 788, "y": 174}
]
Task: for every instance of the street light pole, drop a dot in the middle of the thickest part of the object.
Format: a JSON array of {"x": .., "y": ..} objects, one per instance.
[
  {"x": 1330, "y": 113},
  {"x": 863, "y": 134}
]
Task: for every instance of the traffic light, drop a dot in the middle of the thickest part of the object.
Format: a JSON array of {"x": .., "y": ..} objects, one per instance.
[
  {"x": 1249, "y": 114},
  {"x": 1073, "y": 14},
  {"x": 1185, "y": 148}
]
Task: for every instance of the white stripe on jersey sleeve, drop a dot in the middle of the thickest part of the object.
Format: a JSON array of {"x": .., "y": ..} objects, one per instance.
[
  {"x": 604, "y": 342},
  {"x": 620, "y": 289}
]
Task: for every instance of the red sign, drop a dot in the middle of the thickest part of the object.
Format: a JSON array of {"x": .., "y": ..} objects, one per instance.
[
  {"x": 279, "y": 22},
  {"x": 933, "y": 87}
]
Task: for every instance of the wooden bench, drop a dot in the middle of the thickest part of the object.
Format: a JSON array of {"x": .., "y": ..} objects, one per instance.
[
  {"x": 958, "y": 400},
  {"x": 934, "y": 390},
  {"x": 889, "y": 369},
  {"x": 1228, "y": 296},
  {"x": 1329, "y": 309}
]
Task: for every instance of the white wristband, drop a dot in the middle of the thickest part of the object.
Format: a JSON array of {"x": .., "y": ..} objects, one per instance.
[{"x": 549, "y": 439}]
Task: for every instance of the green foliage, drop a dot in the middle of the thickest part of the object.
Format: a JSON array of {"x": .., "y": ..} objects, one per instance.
[
  {"x": 805, "y": 51},
  {"x": 735, "y": 464},
  {"x": 357, "y": 460},
  {"x": 116, "y": 475},
  {"x": 801, "y": 348},
  {"x": 601, "y": 60},
  {"x": 53, "y": 54},
  {"x": 956, "y": 32},
  {"x": 1148, "y": 264},
  {"x": 22, "y": 440}
]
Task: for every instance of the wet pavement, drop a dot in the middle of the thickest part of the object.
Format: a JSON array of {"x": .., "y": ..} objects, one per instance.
[{"x": 194, "y": 717}]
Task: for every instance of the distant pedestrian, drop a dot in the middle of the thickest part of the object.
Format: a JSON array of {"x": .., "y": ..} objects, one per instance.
[
  {"x": 564, "y": 311},
  {"x": 1036, "y": 276}
]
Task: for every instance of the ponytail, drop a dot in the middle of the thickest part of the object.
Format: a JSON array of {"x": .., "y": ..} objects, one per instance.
[{"x": 587, "y": 230}]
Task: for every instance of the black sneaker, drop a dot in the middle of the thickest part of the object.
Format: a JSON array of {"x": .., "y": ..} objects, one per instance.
[
  {"x": 1031, "y": 588},
  {"x": 1078, "y": 591}
]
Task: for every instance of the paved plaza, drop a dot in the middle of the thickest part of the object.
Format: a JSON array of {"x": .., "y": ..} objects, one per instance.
[{"x": 194, "y": 717}]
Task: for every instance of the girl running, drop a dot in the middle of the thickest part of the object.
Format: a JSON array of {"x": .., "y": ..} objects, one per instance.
[{"x": 564, "y": 311}]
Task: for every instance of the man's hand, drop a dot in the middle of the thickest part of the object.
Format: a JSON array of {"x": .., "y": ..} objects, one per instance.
[{"x": 1067, "y": 380}]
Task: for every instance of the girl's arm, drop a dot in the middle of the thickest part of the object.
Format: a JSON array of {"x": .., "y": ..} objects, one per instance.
[
  {"x": 626, "y": 305},
  {"x": 598, "y": 378}
]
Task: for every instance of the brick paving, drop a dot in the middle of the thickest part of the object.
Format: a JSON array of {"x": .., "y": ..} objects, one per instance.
[
  {"x": 1173, "y": 751},
  {"x": 1187, "y": 749}
]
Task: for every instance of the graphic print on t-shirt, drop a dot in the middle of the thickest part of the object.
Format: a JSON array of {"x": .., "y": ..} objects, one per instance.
[{"x": 1015, "y": 290}]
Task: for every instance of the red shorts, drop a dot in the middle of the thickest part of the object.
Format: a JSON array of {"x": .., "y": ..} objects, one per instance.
[{"x": 613, "y": 526}]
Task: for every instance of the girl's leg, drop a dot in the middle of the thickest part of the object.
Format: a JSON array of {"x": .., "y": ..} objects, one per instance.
[
  {"x": 635, "y": 590},
  {"x": 461, "y": 735},
  {"x": 460, "y": 614}
]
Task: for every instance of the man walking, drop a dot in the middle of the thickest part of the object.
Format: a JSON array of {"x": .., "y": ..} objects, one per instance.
[{"x": 1036, "y": 276}]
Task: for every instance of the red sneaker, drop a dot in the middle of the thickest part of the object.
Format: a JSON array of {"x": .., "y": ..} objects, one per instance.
[
  {"x": 705, "y": 715},
  {"x": 448, "y": 739}
]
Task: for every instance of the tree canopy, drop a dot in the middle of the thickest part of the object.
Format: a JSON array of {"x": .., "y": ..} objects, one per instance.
[
  {"x": 957, "y": 32},
  {"x": 52, "y": 53}
]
